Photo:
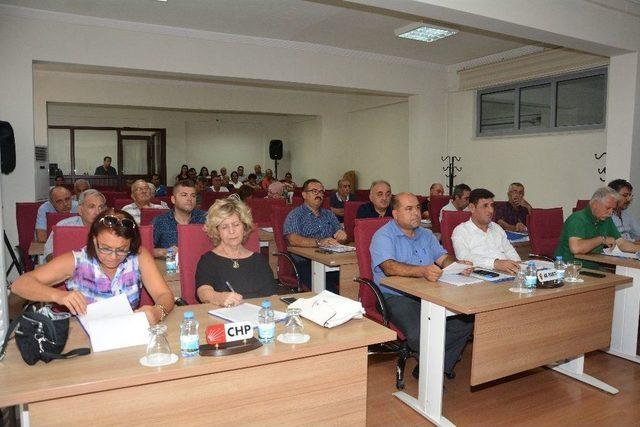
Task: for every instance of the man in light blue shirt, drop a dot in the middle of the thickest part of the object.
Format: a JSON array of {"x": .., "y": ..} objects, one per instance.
[
  {"x": 623, "y": 219},
  {"x": 403, "y": 248},
  {"x": 59, "y": 201}
]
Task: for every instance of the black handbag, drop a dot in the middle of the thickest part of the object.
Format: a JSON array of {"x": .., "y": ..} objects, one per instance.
[{"x": 41, "y": 335}]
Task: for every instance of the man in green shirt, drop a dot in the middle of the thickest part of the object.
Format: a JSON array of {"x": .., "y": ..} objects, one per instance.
[{"x": 591, "y": 229}]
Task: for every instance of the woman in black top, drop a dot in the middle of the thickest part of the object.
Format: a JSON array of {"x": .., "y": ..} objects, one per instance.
[
  {"x": 183, "y": 173},
  {"x": 230, "y": 272}
]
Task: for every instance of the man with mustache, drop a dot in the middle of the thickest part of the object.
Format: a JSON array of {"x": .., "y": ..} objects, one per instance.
[
  {"x": 512, "y": 216},
  {"x": 380, "y": 201},
  {"x": 311, "y": 226}
]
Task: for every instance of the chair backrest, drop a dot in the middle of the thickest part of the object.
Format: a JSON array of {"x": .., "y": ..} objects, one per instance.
[
  {"x": 545, "y": 226},
  {"x": 286, "y": 274},
  {"x": 450, "y": 220},
  {"x": 350, "y": 211},
  {"x": 26, "y": 213},
  {"x": 120, "y": 203},
  {"x": 146, "y": 237},
  {"x": 112, "y": 196},
  {"x": 210, "y": 197},
  {"x": 147, "y": 215},
  {"x": 436, "y": 203},
  {"x": 261, "y": 210},
  {"x": 362, "y": 195},
  {"x": 55, "y": 217},
  {"x": 166, "y": 199},
  {"x": 68, "y": 238},
  {"x": 192, "y": 243},
  {"x": 581, "y": 204},
  {"x": 297, "y": 201},
  {"x": 260, "y": 193}
]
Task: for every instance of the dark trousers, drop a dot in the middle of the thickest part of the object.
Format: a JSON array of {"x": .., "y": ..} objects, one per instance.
[
  {"x": 404, "y": 312},
  {"x": 303, "y": 265}
]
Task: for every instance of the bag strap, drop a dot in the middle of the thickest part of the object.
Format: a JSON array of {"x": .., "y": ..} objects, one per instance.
[
  {"x": 7, "y": 337},
  {"x": 83, "y": 351}
]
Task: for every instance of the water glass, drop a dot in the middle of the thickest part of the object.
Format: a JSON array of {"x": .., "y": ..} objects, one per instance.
[
  {"x": 573, "y": 270},
  {"x": 158, "y": 350},
  {"x": 519, "y": 287},
  {"x": 293, "y": 328}
]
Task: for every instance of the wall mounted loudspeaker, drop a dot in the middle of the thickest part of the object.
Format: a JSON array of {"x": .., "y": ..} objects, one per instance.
[
  {"x": 7, "y": 148},
  {"x": 275, "y": 149}
]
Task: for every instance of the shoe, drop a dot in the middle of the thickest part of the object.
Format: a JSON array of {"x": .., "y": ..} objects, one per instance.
[
  {"x": 450, "y": 375},
  {"x": 416, "y": 372}
]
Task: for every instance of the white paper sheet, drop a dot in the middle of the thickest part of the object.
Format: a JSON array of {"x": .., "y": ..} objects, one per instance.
[
  {"x": 615, "y": 251},
  {"x": 244, "y": 313},
  {"x": 338, "y": 248},
  {"x": 458, "y": 279},
  {"x": 455, "y": 268},
  {"x": 267, "y": 229}
]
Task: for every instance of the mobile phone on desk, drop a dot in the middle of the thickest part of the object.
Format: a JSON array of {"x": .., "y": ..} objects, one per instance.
[
  {"x": 593, "y": 274},
  {"x": 486, "y": 273},
  {"x": 288, "y": 300}
]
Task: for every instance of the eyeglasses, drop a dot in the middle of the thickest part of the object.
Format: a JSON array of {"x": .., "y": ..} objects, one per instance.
[
  {"x": 109, "y": 251},
  {"x": 314, "y": 191},
  {"x": 112, "y": 222}
]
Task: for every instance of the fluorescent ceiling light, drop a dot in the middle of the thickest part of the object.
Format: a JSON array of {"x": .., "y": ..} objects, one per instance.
[{"x": 424, "y": 33}]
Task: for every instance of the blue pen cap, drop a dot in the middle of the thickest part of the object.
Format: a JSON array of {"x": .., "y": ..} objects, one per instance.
[
  {"x": 266, "y": 304},
  {"x": 188, "y": 314}
]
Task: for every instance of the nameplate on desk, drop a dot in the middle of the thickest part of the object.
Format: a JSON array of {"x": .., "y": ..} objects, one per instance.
[
  {"x": 547, "y": 275},
  {"x": 229, "y": 332}
]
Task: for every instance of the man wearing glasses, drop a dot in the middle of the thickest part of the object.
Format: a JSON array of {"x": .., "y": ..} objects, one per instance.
[
  {"x": 311, "y": 226},
  {"x": 622, "y": 218}
]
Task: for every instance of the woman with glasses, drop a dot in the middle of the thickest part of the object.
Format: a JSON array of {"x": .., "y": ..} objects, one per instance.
[
  {"x": 230, "y": 272},
  {"x": 113, "y": 262}
]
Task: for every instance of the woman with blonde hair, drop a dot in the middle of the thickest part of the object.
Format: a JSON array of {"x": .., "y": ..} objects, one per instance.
[{"x": 230, "y": 272}]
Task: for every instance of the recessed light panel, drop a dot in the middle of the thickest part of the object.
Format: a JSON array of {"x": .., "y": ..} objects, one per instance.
[{"x": 424, "y": 33}]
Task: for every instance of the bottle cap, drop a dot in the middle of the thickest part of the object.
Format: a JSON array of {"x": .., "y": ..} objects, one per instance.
[
  {"x": 266, "y": 304},
  {"x": 170, "y": 250},
  {"x": 559, "y": 257},
  {"x": 188, "y": 314}
]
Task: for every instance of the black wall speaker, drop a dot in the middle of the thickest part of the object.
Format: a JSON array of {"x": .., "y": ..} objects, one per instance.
[
  {"x": 275, "y": 149},
  {"x": 7, "y": 148}
]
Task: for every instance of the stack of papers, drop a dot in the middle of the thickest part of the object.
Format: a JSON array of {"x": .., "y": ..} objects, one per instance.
[
  {"x": 452, "y": 275},
  {"x": 328, "y": 309},
  {"x": 615, "y": 251},
  {"x": 338, "y": 248},
  {"x": 111, "y": 324},
  {"x": 244, "y": 313}
]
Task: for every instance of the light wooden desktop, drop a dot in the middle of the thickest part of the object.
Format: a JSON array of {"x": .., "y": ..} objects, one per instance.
[
  {"x": 513, "y": 332},
  {"x": 346, "y": 263},
  {"x": 323, "y": 382}
]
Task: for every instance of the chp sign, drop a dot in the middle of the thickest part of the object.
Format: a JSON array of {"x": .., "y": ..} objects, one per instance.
[{"x": 228, "y": 332}]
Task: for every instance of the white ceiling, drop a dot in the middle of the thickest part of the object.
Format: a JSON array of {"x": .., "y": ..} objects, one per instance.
[{"x": 327, "y": 22}]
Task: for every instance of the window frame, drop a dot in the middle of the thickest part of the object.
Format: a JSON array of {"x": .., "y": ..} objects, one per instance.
[{"x": 553, "y": 81}]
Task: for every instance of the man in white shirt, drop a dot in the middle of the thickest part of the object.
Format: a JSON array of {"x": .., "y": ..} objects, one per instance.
[
  {"x": 482, "y": 241},
  {"x": 141, "y": 195},
  {"x": 460, "y": 201},
  {"x": 623, "y": 219}
]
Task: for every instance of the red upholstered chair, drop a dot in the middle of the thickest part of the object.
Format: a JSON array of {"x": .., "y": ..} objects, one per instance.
[
  {"x": 260, "y": 193},
  {"x": 210, "y": 197},
  {"x": 450, "y": 220},
  {"x": 581, "y": 204},
  {"x": 146, "y": 236},
  {"x": 261, "y": 210},
  {"x": 350, "y": 211},
  {"x": 297, "y": 201},
  {"x": 287, "y": 273},
  {"x": 192, "y": 243},
  {"x": 120, "y": 203},
  {"x": 147, "y": 215},
  {"x": 421, "y": 199},
  {"x": 362, "y": 195},
  {"x": 436, "y": 203},
  {"x": 370, "y": 295},
  {"x": 545, "y": 226},
  {"x": 26, "y": 213},
  {"x": 112, "y": 196},
  {"x": 67, "y": 238},
  {"x": 55, "y": 217}
]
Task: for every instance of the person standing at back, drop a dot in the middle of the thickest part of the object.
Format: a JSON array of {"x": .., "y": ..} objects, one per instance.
[{"x": 105, "y": 168}]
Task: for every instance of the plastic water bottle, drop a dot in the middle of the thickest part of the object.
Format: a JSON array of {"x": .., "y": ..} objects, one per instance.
[
  {"x": 266, "y": 323},
  {"x": 530, "y": 276},
  {"x": 560, "y": 267},
  {"x": 170, "y": 260},
  {"x": 189, "y": 335}
]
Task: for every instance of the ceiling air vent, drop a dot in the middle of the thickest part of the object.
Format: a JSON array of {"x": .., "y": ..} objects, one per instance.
[{"x": 41, "y": 153}]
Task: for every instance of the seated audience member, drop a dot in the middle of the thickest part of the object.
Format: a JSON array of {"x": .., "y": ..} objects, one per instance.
[
  {"x": 59, "y": 181},
  {"x": 79, "y": 186},
  {"x": 589, "y": 230},
  {"x": 311, "y": 226},
  {"x": 252, "y": 182},
  {"x": 112, "y": 263},
  {"x": 165, "y": 226},
  {"x": 216, "y": 185},
  {"x": 288, "y": 181},
  {"x": 192, "y": 174},
  {"x": 623, "y": 219},
  {"x": 436, "y": 189},
  {"x": 380, "y": 201},
  {"x": 105, "y": 168},
  {"x": 258, "y": 171},
  {"x": 141, "y": 195},
  {"x": 91, "y": 203},
  {"x": 267, "y": 180},
  {"x": 201, "y": 188},
  {"x": 59, "y": 201},
  {"x": 275, "y": 190},
  {"x": 230, "y": 272},
  {"x": 512, "y": 216},
  {"x": 204, "y": 171},
  {"x": 338, "y": 198},
  {"x": 482, "y": 241},
  {"x": 184, "y": 173},
  {"x": 403, "y": 248},
  {"x": 241, "y": 176},
  {"x": 224, "y": 176},
  {"x": 460, "y": 201},
  {"x": 245, "y": 192},
  {"x": 235, "y": 181},
  {"x": 161, "y": 190}
]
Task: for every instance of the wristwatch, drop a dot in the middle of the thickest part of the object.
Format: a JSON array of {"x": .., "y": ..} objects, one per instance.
[
  {"x": 163, "y": 311},
  {"x": 317, "y": 243}
]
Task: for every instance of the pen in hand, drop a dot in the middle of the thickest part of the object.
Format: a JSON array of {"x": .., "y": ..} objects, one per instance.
[{"x": 230, "y": 287}]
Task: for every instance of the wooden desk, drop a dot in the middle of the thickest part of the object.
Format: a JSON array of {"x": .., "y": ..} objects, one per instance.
[
  {"x": 267, "y": 240},
  {"x": 513, "y": 332},
  {"x": 523, "y": 249},
  {"x": 173, "y": 279},
  {"x": 36, "y": 248},
  {"x": 323, "y": 381},
  {"x": 626, "y": 308},
  {"x": 346, "y": 263}
]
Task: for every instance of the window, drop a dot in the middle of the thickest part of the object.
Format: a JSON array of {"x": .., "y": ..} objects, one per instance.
[{"x": 569, "y": 102}]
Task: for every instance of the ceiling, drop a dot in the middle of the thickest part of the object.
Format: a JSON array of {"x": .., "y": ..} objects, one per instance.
[{"x": 326, "y": 22}]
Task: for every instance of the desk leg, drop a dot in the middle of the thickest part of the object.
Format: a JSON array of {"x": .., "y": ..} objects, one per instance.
[
  {"x": 432, "y": 334},
  {"x": 24, "y": 415},
  {"x": 626, "y": 307},
  {"x": 318, "y": 277},
  {"x": 574, "y": 368}
]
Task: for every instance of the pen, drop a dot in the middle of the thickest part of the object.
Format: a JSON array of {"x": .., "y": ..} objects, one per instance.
[{"x": 230, "y": 287}]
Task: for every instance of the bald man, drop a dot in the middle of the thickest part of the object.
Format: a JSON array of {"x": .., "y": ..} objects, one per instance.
[
  {"x": 60, "y": 201},
  {"x": 436, "y": 189}
]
